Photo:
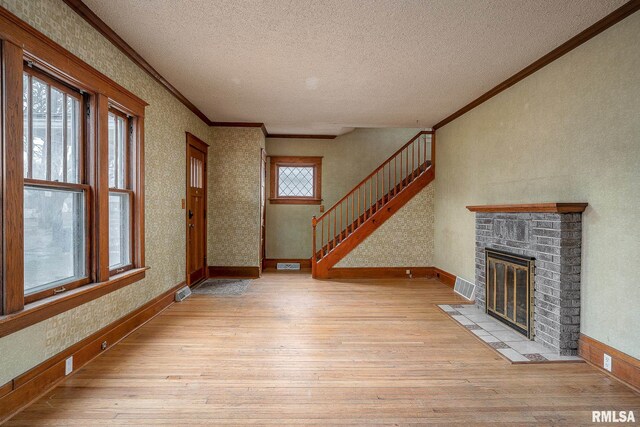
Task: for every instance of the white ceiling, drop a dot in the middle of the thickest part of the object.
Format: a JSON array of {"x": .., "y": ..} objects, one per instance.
[{"x": 323, "y": 66}]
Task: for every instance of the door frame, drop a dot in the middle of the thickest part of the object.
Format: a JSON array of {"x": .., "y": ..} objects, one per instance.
[
  {"x": 200, "y": 145},
  {"x": 263, "y": 207}
]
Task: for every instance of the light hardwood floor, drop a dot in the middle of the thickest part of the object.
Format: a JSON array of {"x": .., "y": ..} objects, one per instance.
[{"x": 297, "y": 351}]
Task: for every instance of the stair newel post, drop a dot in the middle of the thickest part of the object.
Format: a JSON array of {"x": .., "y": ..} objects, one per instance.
[{"x": 314, "y": 260}]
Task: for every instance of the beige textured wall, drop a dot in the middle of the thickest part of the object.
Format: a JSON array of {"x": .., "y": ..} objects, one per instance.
[
  {"x": 569, "y": 132},
  {"x": 404, "y": 240},
  {"x": 234, "y": 197},
  {"x": 165, "y": 124},
  {"x": 347, "y": 159}
]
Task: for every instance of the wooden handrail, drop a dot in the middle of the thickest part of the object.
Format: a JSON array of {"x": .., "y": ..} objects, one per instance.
[
  {"x": 382, "y": 165},
  {"x": 363, "y": 204}
]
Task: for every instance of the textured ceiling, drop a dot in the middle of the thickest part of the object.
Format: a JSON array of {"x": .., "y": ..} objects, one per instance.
[{"x": 324, "y": 66}]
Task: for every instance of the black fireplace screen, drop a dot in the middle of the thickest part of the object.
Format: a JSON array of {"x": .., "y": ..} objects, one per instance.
[{"x": 509, "y": 290}]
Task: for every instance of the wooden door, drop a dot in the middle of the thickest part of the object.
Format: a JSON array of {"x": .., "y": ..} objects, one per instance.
[
  {"x": 196, "y": 215},
  {"x": 263, "y": 203}
]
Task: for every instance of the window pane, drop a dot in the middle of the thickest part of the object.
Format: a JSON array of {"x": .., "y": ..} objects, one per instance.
[
  {"x": 73, "y": 139},
  {"x": 57, "y": 135},
  {"x": 119, "y": 230},
  {"x": 121, "y": 152},
  {"x": 116, "y": 151},
  {"x": 295, "y": 181},
  {"x": 39, "y": 109},
  {"x": 54, "y": 238},
  {"x": 25, "y": 123}
]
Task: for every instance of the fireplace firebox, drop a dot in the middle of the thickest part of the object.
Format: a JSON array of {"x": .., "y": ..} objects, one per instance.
[{"x": 509, "y": 290}]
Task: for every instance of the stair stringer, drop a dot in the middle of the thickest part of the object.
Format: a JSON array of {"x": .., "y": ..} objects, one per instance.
[{"x": 322, "y": 267}]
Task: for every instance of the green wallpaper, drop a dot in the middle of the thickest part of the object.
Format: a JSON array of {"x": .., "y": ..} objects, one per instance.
[
  {"x": 166, "y": 121},
  {"x": 568, "y": 133}
]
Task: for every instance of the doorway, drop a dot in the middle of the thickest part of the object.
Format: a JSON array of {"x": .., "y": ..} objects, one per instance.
[
  {"x": 196, "y": 209},
  {"x": 263, "y": 206}
]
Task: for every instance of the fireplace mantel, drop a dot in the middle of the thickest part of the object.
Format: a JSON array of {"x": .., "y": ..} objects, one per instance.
[{"x": 532, "y": 207}]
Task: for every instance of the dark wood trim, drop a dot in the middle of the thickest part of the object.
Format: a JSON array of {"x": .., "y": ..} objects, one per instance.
[
  {"x": 234, "y": 272},
  {"x": 271, "y": 263},
  {"x": 31, "y": 385},
  {"x": 6, "y": 389},
  {"x": 276, "y": 161},
  {"x": 101, "y": 188},
  {"x": 300, "y": 136},
  {"x": 48, "y": 56},
  {"x": 12, "y": 284},
  {"x": 595, "y": 29},
  {"x": 294, "y": 201},
  {"x": 49, "y": 307},
  {"x": 138, "y": 185},
  {"x": 94, "y": 20},
  {"x": 203, "y": 147},
  {"x": 370, "y": 224},
  {"x": 532, "y": 207},
  {"x": 445, "y": 277},
  {"x": 623, "y": 367},
  {"x": 241, "y": 125},
  {"x": 379, "y": 272}
]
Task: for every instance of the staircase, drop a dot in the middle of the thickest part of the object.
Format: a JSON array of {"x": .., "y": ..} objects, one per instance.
[{"x": 370, "y": 203}]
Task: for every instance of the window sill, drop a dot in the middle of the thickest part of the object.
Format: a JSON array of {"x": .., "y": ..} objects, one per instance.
[
  {"x": 43, "y": 309},
  {"x": 294, "y": 201}
]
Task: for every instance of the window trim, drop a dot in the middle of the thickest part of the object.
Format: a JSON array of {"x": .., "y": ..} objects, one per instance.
[
  {"x": 128, "y": 172},
  {"x": 19, "y": 42},
  {"x": 295, "y": 161}
]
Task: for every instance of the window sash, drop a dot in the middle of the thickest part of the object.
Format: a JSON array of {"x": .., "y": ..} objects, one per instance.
[
  {"x": 72, "y": 107},
  {"x": 126, "y": 240},
  {"x": 71, "y": 282},
  {"x": 278, "y": 162},
  {"x": 283, "y": 193}
]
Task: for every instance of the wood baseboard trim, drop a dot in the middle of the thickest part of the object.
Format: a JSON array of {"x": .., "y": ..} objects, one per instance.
[
  {"x": 31, "y": 385},
  {"x": 625, "y": 368},
  {"x": 271, "y": 263},
  {"x": 445, "y": 277},
  {"x": 379, "y": 272},
  {"x": 234, "y": 272}
]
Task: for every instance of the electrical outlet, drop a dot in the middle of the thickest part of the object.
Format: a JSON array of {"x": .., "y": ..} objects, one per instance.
[
  {"x": 607, "y": 362},
  {"x": 68, "y": 366},
  {"x": 103, "y": 346},
  {"x": 408, "y": 271}
]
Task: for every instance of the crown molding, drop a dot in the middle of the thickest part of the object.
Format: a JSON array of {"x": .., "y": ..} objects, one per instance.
[
  {"x": 300, "y": 136},
  {"x": 611, "y": 19}
]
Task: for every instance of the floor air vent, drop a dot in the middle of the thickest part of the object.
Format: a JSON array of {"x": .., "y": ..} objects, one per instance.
[
  {"x": 464, "y": 288},
  {"x": 288, "y": 266},
  {"x": 183, "y": 293}
]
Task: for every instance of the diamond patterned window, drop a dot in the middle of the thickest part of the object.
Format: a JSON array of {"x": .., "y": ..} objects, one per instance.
[{"x": 295, "y": 180}]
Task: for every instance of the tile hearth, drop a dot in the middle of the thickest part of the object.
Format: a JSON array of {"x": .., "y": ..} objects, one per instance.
[{"x": 512, "y": 345}]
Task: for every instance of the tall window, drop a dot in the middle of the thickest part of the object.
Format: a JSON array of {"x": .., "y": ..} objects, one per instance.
[
  {"x": 55, "y": 197},
  {"x": 296, "y": 180},
  {"x": 120, "y": 194}
]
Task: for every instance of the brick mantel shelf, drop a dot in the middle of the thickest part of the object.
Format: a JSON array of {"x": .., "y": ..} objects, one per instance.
[{"x": 532, "y": 208}]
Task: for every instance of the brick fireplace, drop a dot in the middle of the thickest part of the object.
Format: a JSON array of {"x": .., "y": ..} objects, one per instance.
[{"x": 551, "y": 235}]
